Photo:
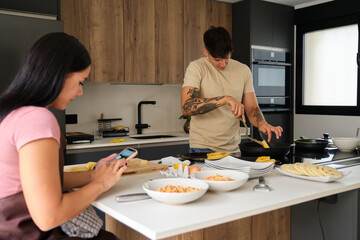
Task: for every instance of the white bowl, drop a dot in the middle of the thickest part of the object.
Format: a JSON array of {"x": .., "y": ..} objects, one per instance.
[
  {"x": 239, "y": 179},
  {"x": 346, "y": 144},
  {"x": 151, "y": 186}
]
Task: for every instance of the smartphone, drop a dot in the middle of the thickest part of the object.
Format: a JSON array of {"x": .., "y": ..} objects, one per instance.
[{"x": 128, "y": 153}]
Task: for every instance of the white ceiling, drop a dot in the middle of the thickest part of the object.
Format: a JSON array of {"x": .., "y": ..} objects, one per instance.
[{"x": 294, "y": 3}]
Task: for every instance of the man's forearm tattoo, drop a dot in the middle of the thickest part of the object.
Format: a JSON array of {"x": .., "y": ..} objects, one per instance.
[
  {"x": 196, "y": 105},
  {"x": 258, "y": 115}
]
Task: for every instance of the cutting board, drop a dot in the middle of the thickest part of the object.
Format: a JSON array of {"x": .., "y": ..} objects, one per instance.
[{"x": 136, "y": 167}]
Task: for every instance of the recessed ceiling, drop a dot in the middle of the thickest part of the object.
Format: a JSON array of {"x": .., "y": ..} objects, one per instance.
[{"x": 293, "y": 3}]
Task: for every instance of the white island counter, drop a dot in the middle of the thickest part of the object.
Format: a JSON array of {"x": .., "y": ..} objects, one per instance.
[{"x": 157, "y": 220}]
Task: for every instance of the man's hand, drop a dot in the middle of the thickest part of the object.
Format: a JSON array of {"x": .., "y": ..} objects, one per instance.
[
  {"x": 237, "y": 108},
  {"x": 268, "y": 129}
]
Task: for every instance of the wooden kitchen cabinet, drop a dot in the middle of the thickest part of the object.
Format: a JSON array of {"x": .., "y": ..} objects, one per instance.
[
  {"x": 169, "y": 43},
  {"x": 99, "y": 26},
  {"x": 142, "y": 41},
  {"x": 199, "y": 15},
  {"x": 263, "y": 23},
  {"x": 273, "y": 225}
]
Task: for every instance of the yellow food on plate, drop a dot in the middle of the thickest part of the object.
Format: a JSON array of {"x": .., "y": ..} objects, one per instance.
[
  {"x": 263, "y": 159},
  {"x": 216, "y": 155},
  {"x": 265, "y": 144},
  {"x": 178, "y": 189},
  {"x": 311, "y": 170},
  {"x": 218, "y": 177}
]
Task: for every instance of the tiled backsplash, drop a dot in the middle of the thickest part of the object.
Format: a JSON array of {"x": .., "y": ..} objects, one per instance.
[{"x": 121, "y": 101}]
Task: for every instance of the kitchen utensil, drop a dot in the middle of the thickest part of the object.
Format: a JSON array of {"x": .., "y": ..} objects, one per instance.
[
  {"x": 261, "y": 186},
  {"x": 132, "y": 197},
  {"x": 277, "y": 150},
  {"x": 247, "y": 133},
  {"x": 311, "y": 144}
]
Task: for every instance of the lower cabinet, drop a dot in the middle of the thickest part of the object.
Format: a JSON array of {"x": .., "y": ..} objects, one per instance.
[
  {"x": 150, "y": 152},
  {"x": 332, "y": 218}
]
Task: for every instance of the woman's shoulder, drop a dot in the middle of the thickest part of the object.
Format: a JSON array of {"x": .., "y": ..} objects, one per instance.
[{"x": 32, "y": 114}]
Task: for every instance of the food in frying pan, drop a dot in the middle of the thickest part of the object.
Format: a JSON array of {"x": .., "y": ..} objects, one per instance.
[
  {"x": 264, "y": 144},
  {"x": 311, "y": 170},
  {"x": 216, "y": 155}
]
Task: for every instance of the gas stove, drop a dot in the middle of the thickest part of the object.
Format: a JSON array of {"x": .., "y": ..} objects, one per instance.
[{"x": 330, "y": 156}]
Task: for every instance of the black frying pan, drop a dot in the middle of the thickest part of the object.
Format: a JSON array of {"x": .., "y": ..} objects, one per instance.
[
  {"x": 277, "y": 150},
  {"x": 309, "y": 144}
]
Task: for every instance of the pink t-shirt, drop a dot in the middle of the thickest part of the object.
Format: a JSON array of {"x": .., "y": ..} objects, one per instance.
[{"x": 18, "y": 128}]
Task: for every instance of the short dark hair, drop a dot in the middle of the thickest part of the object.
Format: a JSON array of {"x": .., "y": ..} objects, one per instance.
[
  {"x": 41, "y": 76},
  {"x": 218, "y": 42}
]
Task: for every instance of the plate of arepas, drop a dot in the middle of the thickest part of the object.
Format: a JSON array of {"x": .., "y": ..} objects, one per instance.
[{"x": 313, "y": 172}]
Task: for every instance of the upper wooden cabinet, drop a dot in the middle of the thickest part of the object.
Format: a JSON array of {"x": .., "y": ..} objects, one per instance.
[
  {"x": 99, "y": 26},
  {"x": 142, "y": 41},
  {"x": 199, "y": 16}
]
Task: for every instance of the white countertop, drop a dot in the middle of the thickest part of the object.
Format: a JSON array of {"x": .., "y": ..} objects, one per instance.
[
  {"x": 156, "y": 220},
  {"x": 105, "y": 142}
]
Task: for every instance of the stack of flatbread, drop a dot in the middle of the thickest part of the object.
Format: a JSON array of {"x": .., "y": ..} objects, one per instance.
[{"x": 311, "y": 170}]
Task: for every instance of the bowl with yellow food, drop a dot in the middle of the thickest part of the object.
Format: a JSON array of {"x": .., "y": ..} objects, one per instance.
[
  {"x": 221, "y": 180},
  {"x": 175, "y": 190}
]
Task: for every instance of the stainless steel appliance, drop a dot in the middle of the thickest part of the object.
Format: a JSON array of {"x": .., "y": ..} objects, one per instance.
[{"x": 271, "y": 71}]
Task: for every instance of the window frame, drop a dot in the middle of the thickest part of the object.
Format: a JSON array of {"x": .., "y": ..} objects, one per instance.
[{"x": 323, "y": 110}]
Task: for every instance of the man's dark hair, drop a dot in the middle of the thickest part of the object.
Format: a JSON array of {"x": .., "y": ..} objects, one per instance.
[{"x": 218, "y": 42}]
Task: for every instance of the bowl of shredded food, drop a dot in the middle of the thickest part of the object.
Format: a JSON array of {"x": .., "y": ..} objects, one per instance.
[
  {"x": 175, "y": 190},
  {"x": 221, "y": 180}
]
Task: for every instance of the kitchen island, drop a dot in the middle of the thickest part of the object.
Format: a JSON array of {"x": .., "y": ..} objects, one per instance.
[{"x": 239, "y": 214}]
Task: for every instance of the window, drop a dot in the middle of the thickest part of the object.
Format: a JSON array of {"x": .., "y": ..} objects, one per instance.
[{"x": 327, "y": 79}]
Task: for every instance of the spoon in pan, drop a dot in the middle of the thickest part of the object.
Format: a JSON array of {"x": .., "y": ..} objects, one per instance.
[{"x": 247, "y": 134}]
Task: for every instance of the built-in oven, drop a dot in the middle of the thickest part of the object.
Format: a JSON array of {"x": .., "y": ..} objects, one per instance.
[
  {"x": 271, "y": 71},
  {"x": 272, "y": 77}
]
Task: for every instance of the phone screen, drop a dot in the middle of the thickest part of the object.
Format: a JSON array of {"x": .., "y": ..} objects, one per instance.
[{"x": 125, "y": 154}]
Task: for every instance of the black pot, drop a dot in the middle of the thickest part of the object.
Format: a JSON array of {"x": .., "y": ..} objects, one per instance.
[
  {"x": 311, "y": 144},
  {"x": 277, "y": 150}
]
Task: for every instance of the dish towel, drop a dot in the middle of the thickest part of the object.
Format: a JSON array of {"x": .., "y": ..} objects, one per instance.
[{"x": 85, "y": 225}]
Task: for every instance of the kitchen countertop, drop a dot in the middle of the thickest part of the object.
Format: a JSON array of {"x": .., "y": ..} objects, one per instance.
[
  {"x": 105, "y": 142},
  {"x": 180, "y": 137},
  {"x": 156, "y": 220}
]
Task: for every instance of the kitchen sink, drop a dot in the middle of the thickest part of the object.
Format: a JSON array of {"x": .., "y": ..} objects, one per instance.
[{"x": 151, "y": 136}]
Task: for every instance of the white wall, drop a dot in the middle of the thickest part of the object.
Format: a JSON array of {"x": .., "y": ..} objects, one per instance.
[
  {"x": 120, "y": 101},
  {"x": 313, "y": 126}
]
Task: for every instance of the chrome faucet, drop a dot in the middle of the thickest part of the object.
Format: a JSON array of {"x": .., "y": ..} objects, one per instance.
[{"x": 139, "y": 126}]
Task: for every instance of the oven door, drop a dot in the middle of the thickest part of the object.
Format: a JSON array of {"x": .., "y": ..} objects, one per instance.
[{"x": 270, "y": 80}]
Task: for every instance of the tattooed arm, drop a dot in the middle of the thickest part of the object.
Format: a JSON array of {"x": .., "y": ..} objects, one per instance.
[
  {"x": 256, "y": 117},
  {"x": 192, "y": 104}
]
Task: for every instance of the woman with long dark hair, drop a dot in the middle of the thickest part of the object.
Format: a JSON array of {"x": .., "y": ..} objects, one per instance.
[{"x": 33, "y": 203}]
